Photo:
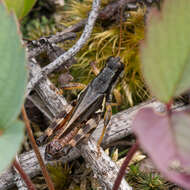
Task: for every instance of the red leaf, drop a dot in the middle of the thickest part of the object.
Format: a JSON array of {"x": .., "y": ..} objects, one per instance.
[{"x": 157, "y": 137}]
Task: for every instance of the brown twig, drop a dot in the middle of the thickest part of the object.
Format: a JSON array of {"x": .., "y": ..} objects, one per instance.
[
  {"x": 25, "y": 178},
  {"x": 124, "y": 165},
  {"x": 36, "y": 150}
]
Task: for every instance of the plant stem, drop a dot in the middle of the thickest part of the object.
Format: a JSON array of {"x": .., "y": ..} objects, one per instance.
[
  {"x": 36, "y": 150},
  {"x": 120, "y": 30},
  {"x": 128, "y": 158},
  {"x": 169, "y": 108},
  {"x": 24, "y": 176}
]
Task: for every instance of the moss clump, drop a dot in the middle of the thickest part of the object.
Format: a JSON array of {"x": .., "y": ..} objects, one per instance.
[{"x": 60, "y": 175}]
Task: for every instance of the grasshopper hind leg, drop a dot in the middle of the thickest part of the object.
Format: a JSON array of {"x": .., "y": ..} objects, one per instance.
[
  {"x": 82, "y": 135},
  {"x": 85, "y": 132},
  {"x": 55, "y": 126}
]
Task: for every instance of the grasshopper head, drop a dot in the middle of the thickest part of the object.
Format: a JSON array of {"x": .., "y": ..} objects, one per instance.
[
  {"x": 108, "y": 76},
  {"x": 115, "y": 64},
  {"x": 116, "y": 68},
  {"x": 53, "y": 150}
]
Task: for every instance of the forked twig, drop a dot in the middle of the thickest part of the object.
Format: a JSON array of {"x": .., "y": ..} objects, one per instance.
[
  {"x": 36, "y": 150},
  {"x": 71, "y": 52}
]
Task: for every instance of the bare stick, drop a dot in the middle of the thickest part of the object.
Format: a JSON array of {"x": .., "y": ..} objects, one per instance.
[
  {"x": 71, "y": 52},
  {"x": 103, "y": 167},
  {"x": 35, "y": 147},
  {"x": 46, "y": 92},
  {"x": 26, "y": 179}
]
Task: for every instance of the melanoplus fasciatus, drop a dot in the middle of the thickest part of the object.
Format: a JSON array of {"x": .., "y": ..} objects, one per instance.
[{"x": 84, "y": 117}]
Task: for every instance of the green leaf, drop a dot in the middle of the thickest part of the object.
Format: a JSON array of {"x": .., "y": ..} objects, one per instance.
[
  {"x": 10, "y": 142},
  {"x": 12, "y": 85},
  {"x": 21, "y": 7},
  {"x": 166, "y": 52},
  {"x": 12, "y": 69}
]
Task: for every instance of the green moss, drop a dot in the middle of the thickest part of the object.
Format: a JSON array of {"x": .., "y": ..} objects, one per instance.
[
  {"x": 140, "y": 180},
  {"x": 60, "y": 175}
]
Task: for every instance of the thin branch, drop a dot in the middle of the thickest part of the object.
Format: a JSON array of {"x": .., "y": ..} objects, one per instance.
[
  {"x": 36, "y": 47},
  {"x": 35, "y": 147},
  {"x": 26, "y": 179},
  {"x": 71, "y": 52}
]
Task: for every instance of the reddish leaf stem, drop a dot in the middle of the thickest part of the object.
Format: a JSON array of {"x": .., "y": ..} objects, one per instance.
[
  {"x": 25, "y": 178},
  {"x": 36, "y": 150},
  {"x": 120, "y": 30},
  {"x": 168, "y": 107},
  {"x": 121, "y": 173}
]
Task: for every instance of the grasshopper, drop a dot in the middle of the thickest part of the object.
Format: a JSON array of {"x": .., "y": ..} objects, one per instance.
[{"x": 84, "y": 117}]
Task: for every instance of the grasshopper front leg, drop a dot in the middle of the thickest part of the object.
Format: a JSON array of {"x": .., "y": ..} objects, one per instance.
[
  {"x": 107, "y": 117},
  {"x": 73, "y": 86}
]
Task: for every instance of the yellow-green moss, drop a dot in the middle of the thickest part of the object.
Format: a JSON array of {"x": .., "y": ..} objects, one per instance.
[{"x": 60, "y": 175}]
